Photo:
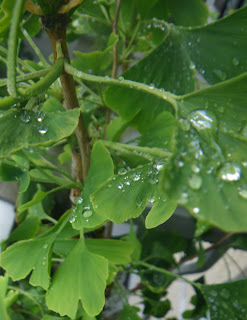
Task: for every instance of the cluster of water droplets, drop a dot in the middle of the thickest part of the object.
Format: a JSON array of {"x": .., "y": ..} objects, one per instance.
[
  {"x": 34, "y": 118},
  {"x": 156, "y": 24}
]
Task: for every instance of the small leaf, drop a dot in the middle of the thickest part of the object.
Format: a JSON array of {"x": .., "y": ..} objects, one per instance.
[
  {"x": 130, "y": 312},
  {"x": 101, "y": 169},
  {"x": 23, "y": 128},
  {"x": 82, "y": 276}
]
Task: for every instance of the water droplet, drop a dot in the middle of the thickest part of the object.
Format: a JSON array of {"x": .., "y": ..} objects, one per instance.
[
  {"x": 135, "y": 177},
  {"x": 151, "y": 86},
  {"x": 195, "y": 168},
  {"x": 183, "y": 199},
  {"x": 109, "y": 185},
  {"x": 25, "y": 116},
  {"x": 153, "y": 180},
  {"x": 45, "y": 246},
  {"x": 195, "y": 182},
  {"x": 244, "y": 131},
  {"x": 151, "y": 199},
  {"x": 139, "y": 203},
  {"x": 42, "y": 129},
  {"x": 242, "y": 192},
  {"x": 120, "y": 186},
  {"x": 121, "y": 78},
  {"x": 72, "y": 218},
  {"x": 78, "y": 200},
  {"x": 180, "y": 164},
  {"x": 127, "y": 183},
  {"x": 184, "y": 124},
  {"x": 87, "y": 213},
  {"x": 122, "y": 171},
  {"x": 244, "y": 164},
  {"x": 220, "y": 74},
  {"x": 44, "y": 263},
  {"x": 40, "y": 116},
  {"x": 205, "y": 122},
  {"x": 230, "y": 172},
  {"x": 158, "y": 166},
  {"x": 196, "y": 210},
  {"x": 107, "y": 78},
  {"x": 235, "y": 61}
]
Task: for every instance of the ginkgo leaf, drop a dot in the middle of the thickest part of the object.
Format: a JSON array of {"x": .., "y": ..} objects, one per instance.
[
  {"x": 25, "y": 128},
  {"x": 81, "y": 277},
  {"x": 101, "y": 169}
]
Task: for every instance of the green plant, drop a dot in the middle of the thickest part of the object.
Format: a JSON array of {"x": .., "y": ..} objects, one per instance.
[{"x": 181, "y": 83}]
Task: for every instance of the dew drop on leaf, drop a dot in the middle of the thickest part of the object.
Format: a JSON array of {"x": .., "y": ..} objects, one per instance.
[
  {"x": 195, "y": 168},
  {"x": 195, "y": 182},
  {"x": 42, "y": 129},
  {"x": 151, "y": 86},
  {"x": 139, "y": 203},
  {"x": 205, "y": 122},
  {"x": 40, "y": 116},
  {"x": 135, "y": 177},
  {"x": 230, "y": 172},
  {"x": 120, "y": 186},
  {"x": 122, "y": 171},
  {"x": 87, "y": 214},
  {"x": 25, "y": 116},
  {"x": 196, "y": 210},
  {"x": 45, "y": 246},
  {"x": 220, "y": 74},
  {"x": 243, "y": 192},
  {"x": 183, "y": 199}
]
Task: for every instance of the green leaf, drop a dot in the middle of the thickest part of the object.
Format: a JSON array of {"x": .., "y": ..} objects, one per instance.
[
  {"x": 160, "y": 212},
  {"x": 208, "y": 172},
  {"x": 22, "y": 128},
  {"x": 227, "y": 58},
  {"x": 52, "y": 105},
  {"x": 101, "y": 169},
  {"x": 18, "y": 262},
  {"x": 116, "y": 251},
  {"x": 26, "y": 230},
  {"x": 156, "y": 308},
  {"x": 159, "y": 133},
  {"x": 84, "y": 276},
  {"x": 189, "y": 13},
  {"x": 226, "y": 301},
  {"x": 6, "y": 10},
  {"x": 126, "y": 196},
  {"x": 96, "y": 60},
  {"x": 168, "y": 66},
  {"x": 130, "y": 312}
]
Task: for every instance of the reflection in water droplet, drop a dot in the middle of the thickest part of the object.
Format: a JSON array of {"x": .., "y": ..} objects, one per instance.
[
  {"x": 87, "y": 214},
  {"x": 135, "y": 177},
  {"x": 243, "y": 192},
  {"x": 72, "y": 218},
  {"x": 40, "y": 116},
  {"x": 25, "y": 116},
  {"x": 151, "y": 86},
  {"x": 195, "y": 168},
  {"x": 139, "y": 203},
  {"x": 120, "y": 185},
  {"x": 151, "y": 199},
  {"x": 78, "y": 200},
  {"x": 42, "y": 129},
  {"x": 122, "y": 171},
  {"x": 195, "y": 182},
  {"x": 205, "y": 122},
  {"x": 230, "y": 172},
  {"x": 196, "y": 210}
]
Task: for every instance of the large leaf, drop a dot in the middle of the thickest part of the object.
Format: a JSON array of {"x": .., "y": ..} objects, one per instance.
[
  {"x": 225, "y": 40},
  {"x": 126, "y": 195},
  {"x": 22, "y": 128},
  {"x": 208, "y": 172},
  {"x": 101, "y": 169},
  {"x": 226, "y": 301},
  {"x": 82, "y": 276}
]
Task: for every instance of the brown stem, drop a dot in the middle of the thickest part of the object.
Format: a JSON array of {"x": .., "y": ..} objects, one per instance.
[{"x": 55, "y": 27}]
